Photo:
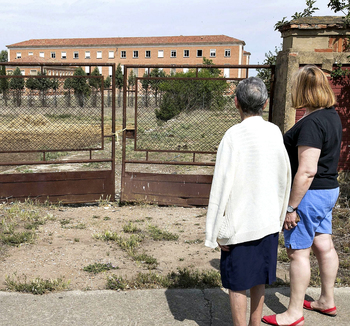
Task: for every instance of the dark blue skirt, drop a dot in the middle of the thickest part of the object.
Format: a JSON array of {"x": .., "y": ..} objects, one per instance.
[{"x": 250, "y": 263}]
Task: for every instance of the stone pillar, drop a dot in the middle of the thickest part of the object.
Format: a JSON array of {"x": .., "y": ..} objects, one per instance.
[{"x": 322, "y": 41}]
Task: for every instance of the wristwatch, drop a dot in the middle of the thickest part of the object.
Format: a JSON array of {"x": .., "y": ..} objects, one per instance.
[{"x": 291, "y": 209}]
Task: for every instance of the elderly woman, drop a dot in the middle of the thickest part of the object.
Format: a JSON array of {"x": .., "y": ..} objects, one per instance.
[
  {"x": 313, "y": 146},
  {"x": 248, "y": 201}
]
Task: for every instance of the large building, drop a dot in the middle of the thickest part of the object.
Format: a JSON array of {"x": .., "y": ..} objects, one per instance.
[{"x": 167, "y": 50}]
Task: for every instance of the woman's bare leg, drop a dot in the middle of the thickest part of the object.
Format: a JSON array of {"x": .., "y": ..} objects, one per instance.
[
  {"x": 257, "y": 296},
  {"x": 327, "y": 258},
  {"x": 238, "y": 302}
]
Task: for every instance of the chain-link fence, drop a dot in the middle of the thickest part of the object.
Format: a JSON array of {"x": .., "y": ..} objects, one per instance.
[
  {"x": 43, "y": 113},
  {"x": 183, "y": 114}
]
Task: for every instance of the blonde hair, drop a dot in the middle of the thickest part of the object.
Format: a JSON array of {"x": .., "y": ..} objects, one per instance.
[{"x": 311, "y": 89}]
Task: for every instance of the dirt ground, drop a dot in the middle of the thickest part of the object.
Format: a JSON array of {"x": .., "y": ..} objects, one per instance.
[{"x": 65, "y": 244}]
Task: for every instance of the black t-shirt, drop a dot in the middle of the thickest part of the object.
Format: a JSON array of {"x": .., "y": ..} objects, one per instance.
[{"x": 321, "y": 129}]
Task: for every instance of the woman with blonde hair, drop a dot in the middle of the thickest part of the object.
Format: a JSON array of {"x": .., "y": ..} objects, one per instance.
[{"x": 313, "y": 146}]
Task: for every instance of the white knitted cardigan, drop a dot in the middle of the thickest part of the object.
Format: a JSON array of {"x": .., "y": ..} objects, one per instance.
[{"x": 251, "y": 184}]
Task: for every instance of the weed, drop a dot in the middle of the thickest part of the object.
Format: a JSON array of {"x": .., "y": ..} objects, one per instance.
[
  {"x": 197, "y": 241},
  {"x": 158, "y": 235},
  {"x": 95, "y": 216},
  {"x": 98, "y": 268},
  {"x": 36, "y": 286},
  {"x": 76, "y": 240},
  {"x": 146, "y": 259},
  {"x": 64, "y": 222},
  {"x": 131, "y": 228},
  {"x": 282, "y": 256},
  {"x": 15, "y": 239},
  {"x": 115, "y": 282},
  {"x": 106, "y": 218}
]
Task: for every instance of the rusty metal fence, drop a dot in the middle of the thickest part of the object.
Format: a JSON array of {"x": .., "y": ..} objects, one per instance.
[
  {"x": 57, "y": 136},
  {"x": 179, "y": 120}
]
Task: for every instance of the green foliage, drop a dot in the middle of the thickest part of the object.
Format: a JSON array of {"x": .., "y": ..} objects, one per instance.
[
  {"x": 107, "y": 82},
  {"x": 95, "y": 82},
  {"x": 36, "y": 286},
  {"x": 158, "y": 234},
  {"x": 80, "y": 86},
  {"x": 17, "y": 84},
  {"x": 340, "y": 5},
  {"x": 308, "y": 12},
  {"x": 17, "y": 238},
  {"x": 4, "y": 84},
  {"x": 270, "y": 59},
  {"x": 98, "y": 268},
  {"x": 184, "y": 96},
  {"x": 338, "y": 72},
  {"x": 3, "y": 56},
  {"x": 119, "y": 78},
  {"x": 131, "y": 80}
]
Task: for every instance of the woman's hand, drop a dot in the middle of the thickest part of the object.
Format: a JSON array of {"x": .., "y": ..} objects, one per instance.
[
  {"x": 290, "y": 221},
  {"x": 224, "y": 248}
]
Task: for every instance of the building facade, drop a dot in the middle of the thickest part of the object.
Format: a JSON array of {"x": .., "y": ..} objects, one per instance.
[{"x": 171, "y": 50}]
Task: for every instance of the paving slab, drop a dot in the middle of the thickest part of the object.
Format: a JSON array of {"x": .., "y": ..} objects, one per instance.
[{"x": 209, "y": 307}]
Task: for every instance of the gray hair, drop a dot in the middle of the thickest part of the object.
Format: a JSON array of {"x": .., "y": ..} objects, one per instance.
[{"x": 251, "y": 95}]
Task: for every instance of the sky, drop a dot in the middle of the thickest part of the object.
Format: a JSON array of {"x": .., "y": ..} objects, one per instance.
[{"x": 251, "y": 21}]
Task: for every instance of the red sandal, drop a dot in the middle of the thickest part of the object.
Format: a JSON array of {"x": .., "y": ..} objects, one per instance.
[
  {"x": 327, "y": 312},
  {"x": 271, "y": 320}
]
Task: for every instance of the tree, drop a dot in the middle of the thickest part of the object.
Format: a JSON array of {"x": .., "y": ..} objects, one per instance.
[
  {"x": 68, "y": 85},
  {"x": 43, "y": 85},
  {"x": 4, "y": 84},
  {"x": 180, "y": 95},
  {"x": 308, "y": 12},
  {"x": 131, "y": 84},
  {"x": 156, "y": 72},
  {"x": 32, "y": 86},
  {"x": 270, "y": 59},
  {"x": 343, "y": 6},
  {"x": 119, "y": 81},
  {"x": 81, "y": 88},
  {"x": 107, "y": 84},
  {"x": 145, "y": 85},
  {"x": 3, "y": 56},
  {"x": 17, "y": 84},
  {"x": 95, "y": 84}
]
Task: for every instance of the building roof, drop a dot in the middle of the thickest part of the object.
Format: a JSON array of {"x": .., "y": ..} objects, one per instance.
[
  {"x": 120, "y": 41},
  {"x": 315, "y": 22}
]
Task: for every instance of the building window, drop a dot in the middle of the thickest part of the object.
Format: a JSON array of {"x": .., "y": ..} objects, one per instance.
[
  {"x": 172, "y": 71},
  {"x": 87, "y": 54},
  {"x": 22, "y": 72},
  {"x": 146, "y": 71},
  {"x": 110, "y": 71},
  {"x": 63, "y": 55},
  {"x": 185, "y": 70},
  {"x": 99, "y": 55},
  {"x": 212, "y": 53},
  {"x": 227, "y": 53},
  {"x": 18, "y": 55},
  {"x": 199, "y": 53},
  {"x": 110, "y": 54},
  {"x": 123, "y": 54},
  {"x": 76, "y": 55},
  {"x": 122, "y": 67},
  {"x": 148, "y": 54},
  {"x": 30, "y": 53},
  {"x": 136, "y": 54},
  {"x": 186, "y": 53},
  {"x": 136, "y": 72},
  {"x": 160, "y": 53},
  {"x": 33, "y": 72},
  {"x": 87, "y": 70},
  {"x": 173, "y": 54},
  {"x": 226, "y": 72},
  {"x": 100, "y": 70},
  {"x": 9, "y": 72},
  {"x": 53, "y": 55},
  {"x": 41, "y": 55}
]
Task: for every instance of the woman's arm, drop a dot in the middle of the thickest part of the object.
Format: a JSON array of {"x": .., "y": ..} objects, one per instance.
[{"x": 308, "y": 158}]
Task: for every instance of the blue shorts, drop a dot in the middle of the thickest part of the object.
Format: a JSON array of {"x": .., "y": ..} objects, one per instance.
[{"x": 315, "y": 211}]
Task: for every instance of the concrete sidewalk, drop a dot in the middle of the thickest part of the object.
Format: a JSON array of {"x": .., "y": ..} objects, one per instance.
[{"x": 208, "y": 307}]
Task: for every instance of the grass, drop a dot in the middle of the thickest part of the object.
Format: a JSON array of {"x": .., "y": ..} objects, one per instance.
[
  {"x": 159, "y": 235},
  {"x": 35, "y": 286},
  {"x": 17, "y": 238},
  {"x": 131, "y": 228},
  {"x": 99, "y": 267},
  {"x": 183, "y": 278}
]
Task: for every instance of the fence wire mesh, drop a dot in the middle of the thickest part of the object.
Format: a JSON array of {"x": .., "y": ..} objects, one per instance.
[
  {"x": 183, "y": 114},
  {"x": 50, "y": 113}
]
